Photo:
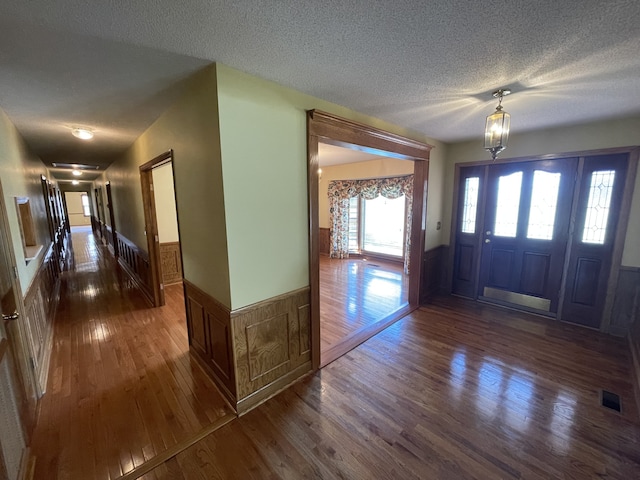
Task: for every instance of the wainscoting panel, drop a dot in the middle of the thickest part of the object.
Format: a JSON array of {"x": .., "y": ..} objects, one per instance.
[
  {"x": 325, "y": 241},
  {"x": 433, "y": 273},
  {"x": 135, "y": 262},
  {"x": 40, "y": 304},
  {"x": 267, "y": 340},
  {"x": 171, "y": 262},
  {"x": 210, "y": 338},
  {"x": 626, "y": 305},
  {"x": 253, "y": 352}
]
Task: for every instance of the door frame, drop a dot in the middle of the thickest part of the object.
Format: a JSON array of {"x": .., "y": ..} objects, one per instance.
[
  {"x": 151, "y": 223},
  {"x": 112, "y": 218},
  {"x": 334, "y": 130},
  {"x": 621, "y": 230}
]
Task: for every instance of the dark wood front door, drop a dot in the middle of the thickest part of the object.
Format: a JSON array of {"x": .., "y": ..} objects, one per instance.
[
  {"x": 544, "y": 235},
  {"x": 525, "y": 233}
]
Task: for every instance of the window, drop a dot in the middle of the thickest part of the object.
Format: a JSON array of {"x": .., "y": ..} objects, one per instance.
[
  {"x": 86, "y": 208},
  {"x": 544, "y": 201},
  {"x": 470, "y": 205},
  {"x": 377, "y": 226},
  {"x": 597, "y": 215},
  {"x": 508, "y": 205}
]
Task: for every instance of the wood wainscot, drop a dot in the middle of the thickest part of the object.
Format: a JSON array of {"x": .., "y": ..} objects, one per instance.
[
  {"x": 433, "y": 273},
  {"x": 135, "y": 262},
  {"x": 254, "y": 352},
  {"x": 171, "y": 263},
  {"x": 324, "y": 241},
  {"x": 40, "y": 302}
]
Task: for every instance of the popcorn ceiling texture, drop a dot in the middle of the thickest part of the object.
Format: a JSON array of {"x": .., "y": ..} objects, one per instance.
[{"x": 428, "y": 66}]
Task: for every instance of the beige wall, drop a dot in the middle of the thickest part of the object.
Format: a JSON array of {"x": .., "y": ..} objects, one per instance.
[
  {"x": 592, "y": 136},
  {"x": 20, "y": 173},
  {"x": 385, "y": 167},
  {"x": 165, "y": 200},
  {"x": 263, "y": 140},
  {"x": 75, "y": 210},
  {"x": 190, "y": 128}
]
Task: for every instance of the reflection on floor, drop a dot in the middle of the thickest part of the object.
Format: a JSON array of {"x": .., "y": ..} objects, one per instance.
[
  {"x": 355, "y": 293},
  {"x": 122, "y": 387},
  {"x": 456, "y": 390}
]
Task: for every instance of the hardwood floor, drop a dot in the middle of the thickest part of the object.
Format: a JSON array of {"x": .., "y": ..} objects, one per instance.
[
  {"x": 356, "y": 293},
  {"x": 456, "y": 390},
  {"x": 122, "y": 387}
]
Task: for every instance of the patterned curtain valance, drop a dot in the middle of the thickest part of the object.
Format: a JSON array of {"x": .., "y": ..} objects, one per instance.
[
  {"x": 340, "y": 191},
  {"x": 369, "y": 189}
]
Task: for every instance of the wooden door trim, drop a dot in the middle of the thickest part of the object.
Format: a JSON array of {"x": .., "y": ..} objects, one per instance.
[
  {"x": 151, "y": 224},
  {"x": 620, "y": 237},
  {"x": 346, "y": 133},
  {"x": 112, "y": 219}
]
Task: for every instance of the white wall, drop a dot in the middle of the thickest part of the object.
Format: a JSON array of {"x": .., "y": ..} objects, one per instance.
[{"x": 165, "y": 200}]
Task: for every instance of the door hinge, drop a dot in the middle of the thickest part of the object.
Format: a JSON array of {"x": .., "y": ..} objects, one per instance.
[
  {"x": 151, "y": 187},
  {"x": 15, "y": 272},
  {"x": 161, "y": 286},
  {"x": 33, "y": 364}
]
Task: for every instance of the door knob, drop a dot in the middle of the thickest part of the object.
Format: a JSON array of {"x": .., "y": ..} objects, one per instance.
[
  {"x": 488, "y": 232},
  {"x": 486, "y": 240},
  {"x": 11, "y": 316}
]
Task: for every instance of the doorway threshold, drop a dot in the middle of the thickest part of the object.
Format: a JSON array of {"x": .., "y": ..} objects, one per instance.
[{"x": 356, "y": 338}]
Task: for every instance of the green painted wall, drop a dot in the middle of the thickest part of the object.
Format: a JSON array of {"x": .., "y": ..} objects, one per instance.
[
  {"x": 20, "y": 173},
  {"x": 263, "y": 140},
  {"x": 190, "y": 128},
  {"x": 607, "y": 134}
]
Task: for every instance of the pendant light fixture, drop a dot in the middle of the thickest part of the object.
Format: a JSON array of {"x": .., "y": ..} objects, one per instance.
[{"x": 496, "y": 130}]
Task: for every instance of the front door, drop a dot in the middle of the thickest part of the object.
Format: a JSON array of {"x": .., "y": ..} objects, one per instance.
[
  {"x": 13, "y": 405},
  {"x": 525, "y": 233}
]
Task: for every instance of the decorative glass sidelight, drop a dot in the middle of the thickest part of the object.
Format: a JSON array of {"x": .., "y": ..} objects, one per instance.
[
  {"x": 597, "y": 213},
  {"x": 470, "y": 206},
  {"x": 544, "y": 202},
  {"x": 508, "y": 205}
]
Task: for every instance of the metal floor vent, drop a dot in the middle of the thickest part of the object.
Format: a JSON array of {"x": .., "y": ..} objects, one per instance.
[{"x": 611, "y": 400}]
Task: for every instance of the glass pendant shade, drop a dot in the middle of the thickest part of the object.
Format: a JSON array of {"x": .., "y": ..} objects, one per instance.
[{"x": 496, "y": 131}]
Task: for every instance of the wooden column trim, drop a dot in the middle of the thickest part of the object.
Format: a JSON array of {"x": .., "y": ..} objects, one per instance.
[{"x": 346, "y": 133}]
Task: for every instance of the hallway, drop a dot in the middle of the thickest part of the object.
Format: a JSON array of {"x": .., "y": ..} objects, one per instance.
[{"x": 122, "y": 386}]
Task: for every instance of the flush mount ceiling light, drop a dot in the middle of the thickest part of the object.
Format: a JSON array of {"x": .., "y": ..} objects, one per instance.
[
  {"x": 496, "y": 130},
  {"x": 76, "y": 173},
  {"x": 82, "y": 133},
  {"x": 75, "y": 182}
]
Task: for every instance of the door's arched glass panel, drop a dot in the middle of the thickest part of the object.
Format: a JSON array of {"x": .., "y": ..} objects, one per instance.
[
  {"x": 597, "y": 213},
  {"x": 544, "y": 202},
  {"x": 470, "y": 206},
  {"x": 508, "y": 205}
]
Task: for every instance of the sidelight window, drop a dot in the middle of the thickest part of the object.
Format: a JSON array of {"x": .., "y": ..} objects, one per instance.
[
  {"x": 597, "y": 214},
  {"x": 508, "y": 205},
  {"x": 544, "y": 202},
  {"x": 470, "y": 206}
]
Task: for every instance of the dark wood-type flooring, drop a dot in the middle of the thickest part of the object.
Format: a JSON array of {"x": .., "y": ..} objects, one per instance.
[
  {"x": 122, "y": 387},
  {"x": 456, "y": 390},
  {"x": 356, "y": 293}
]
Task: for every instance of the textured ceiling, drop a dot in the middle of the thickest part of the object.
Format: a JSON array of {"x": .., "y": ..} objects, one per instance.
[{"x": 428, "y": 66}]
